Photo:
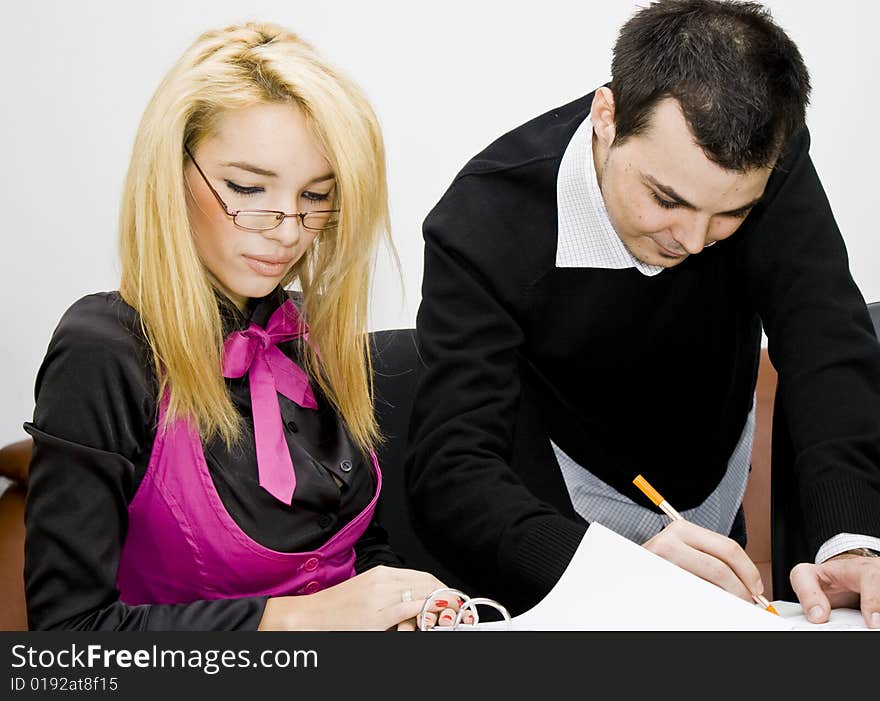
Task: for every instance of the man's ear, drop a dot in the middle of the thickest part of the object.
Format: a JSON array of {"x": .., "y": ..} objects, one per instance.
[{"x": 602, "y": 116}]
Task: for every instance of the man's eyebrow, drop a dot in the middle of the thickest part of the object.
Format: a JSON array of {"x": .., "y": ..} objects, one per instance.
[
  {"x": 745, "y": 208},
  {"x": 673, "y": 195},
  {"x": 668, "y": 191}
]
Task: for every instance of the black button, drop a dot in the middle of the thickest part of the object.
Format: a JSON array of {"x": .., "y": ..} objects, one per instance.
[
  {"x": 292, "y": 426},
  {"x": 324, "y": 520},
  {"x": 345, "y": 466}
]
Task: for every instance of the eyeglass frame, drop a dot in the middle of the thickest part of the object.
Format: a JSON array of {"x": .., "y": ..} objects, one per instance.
[{"x": 279, "y": 218}]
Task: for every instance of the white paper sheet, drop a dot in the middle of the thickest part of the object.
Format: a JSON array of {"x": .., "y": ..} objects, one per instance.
[
  {"x": 840, "y": 619},
  {"x": 612, "y": 583},
  {"x": 615, "y": 584}
]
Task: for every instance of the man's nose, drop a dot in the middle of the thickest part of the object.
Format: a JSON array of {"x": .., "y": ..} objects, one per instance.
[{"x": 692, "y": 235}]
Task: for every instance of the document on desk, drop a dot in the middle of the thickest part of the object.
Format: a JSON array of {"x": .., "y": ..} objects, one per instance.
[
  {"x": 615, "y": 584},
  {"x": 612, "y": 583}
]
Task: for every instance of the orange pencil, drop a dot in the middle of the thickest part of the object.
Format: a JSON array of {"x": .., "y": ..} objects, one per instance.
[{"x": 667, "y": 509}]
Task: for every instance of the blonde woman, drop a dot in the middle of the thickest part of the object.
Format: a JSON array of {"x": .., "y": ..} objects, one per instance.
[{"x": 203, "y": 443}]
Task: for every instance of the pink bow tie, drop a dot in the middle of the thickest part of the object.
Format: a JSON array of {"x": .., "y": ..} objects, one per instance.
[{"x": 254, "y": 351}]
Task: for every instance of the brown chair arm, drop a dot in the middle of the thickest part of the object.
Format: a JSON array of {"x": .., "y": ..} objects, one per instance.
[{"x": 15, "y": 459}]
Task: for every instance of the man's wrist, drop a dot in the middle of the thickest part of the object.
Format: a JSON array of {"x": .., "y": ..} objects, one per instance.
[
  {"x": 856, "y": 552},
  {"x": 843, "y": 543}
]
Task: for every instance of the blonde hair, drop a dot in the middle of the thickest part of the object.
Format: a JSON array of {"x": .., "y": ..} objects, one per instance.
[{"x": 162, "y": 275}]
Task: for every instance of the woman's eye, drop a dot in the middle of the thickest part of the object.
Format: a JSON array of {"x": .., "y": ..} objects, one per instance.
[
  {"x": 316, "y": 196},
  {"x": 242, "y": 190},
  {"x": 666, "y": 204}
]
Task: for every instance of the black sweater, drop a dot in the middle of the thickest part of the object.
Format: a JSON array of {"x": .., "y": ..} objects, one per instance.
[
  {"x": 93, "y": 430},
  {"x": 630, "y": 373}
]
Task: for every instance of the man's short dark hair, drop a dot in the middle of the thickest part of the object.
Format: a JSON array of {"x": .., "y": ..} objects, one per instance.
[{"x": 741, "y": 82}]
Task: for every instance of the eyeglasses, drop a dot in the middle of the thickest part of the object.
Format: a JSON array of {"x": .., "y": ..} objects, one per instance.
[{"x": 268, "y": 219}]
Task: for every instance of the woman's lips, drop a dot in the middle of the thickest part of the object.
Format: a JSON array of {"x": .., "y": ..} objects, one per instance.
[{"x": 267, "y": 266}]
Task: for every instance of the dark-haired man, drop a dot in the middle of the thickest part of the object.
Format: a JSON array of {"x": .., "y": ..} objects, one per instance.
[{"x": 595, "y": 284}]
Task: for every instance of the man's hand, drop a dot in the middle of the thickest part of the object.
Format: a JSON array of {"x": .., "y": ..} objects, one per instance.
[
  {"x": 845, "y": 580},
  {"x": 714, "y": 557}
]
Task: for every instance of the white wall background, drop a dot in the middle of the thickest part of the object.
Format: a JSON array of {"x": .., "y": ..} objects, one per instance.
[{"x": 445, "y": 78}]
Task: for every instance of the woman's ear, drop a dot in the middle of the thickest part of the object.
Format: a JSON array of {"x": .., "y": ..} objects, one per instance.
[{"x": 602, "y": 116}]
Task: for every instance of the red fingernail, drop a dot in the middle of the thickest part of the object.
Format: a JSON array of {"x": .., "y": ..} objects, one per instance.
[
  {"x": 460, "y": 601},
  {"x": 446, "y": 617},
  {"x": 442, "y": 603}
]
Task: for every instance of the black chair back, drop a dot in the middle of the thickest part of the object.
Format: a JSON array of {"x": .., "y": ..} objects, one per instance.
[
  {"x": 874, "y": 311},
  {"x": 396, "y": 370}
]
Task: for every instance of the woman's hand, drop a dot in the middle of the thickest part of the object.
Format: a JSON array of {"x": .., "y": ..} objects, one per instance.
[
  {"x": 379, "y": 599},
  {"x": 443, "y": 610}
]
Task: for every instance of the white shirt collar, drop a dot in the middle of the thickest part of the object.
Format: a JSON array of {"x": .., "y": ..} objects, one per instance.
[{"x": 587, "y": 238}]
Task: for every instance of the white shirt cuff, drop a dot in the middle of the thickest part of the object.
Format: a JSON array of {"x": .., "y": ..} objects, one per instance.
[{"x": 843, "y": 542}]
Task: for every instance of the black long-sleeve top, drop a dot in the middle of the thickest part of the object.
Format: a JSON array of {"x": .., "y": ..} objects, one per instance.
[
  {"x": 632, "y": 373},
  {"x": 93, "y": 430}
]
